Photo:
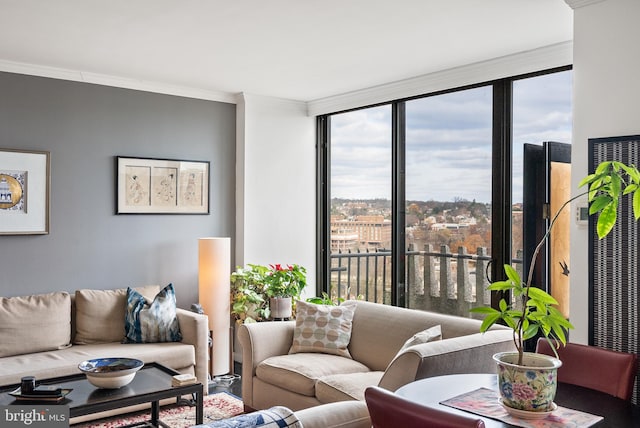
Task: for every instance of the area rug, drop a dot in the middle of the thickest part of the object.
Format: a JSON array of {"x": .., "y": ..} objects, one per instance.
[{"x": 216, "y": 406}]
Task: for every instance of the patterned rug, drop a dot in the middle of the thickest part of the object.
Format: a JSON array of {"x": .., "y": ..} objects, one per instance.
[{"x": 216, "y": 406}]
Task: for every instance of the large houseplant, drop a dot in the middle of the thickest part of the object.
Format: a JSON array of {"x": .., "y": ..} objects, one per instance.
[
  {"x": 259, "y": 292},
  {"x": 538, "y": 314},
  {"x": 248, "y": 302}
]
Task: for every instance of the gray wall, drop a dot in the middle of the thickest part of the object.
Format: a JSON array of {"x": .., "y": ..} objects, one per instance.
[{"x": 84, "y": 127}]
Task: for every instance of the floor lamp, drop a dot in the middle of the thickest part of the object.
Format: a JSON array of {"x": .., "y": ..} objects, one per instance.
[{"x": 214, "y": 285}]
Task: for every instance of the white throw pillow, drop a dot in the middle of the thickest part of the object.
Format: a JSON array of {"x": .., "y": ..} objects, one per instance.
[{"x": 429, "y": 335}]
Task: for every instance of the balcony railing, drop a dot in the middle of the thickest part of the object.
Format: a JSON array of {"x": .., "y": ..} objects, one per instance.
[{"x": 443, "y": 281}]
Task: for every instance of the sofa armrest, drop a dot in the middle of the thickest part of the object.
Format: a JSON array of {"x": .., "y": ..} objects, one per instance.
[
  {"x": 463, "y": 354},
  {"x": 260, "y": 341},
  {"x": 195, "y": 331}
]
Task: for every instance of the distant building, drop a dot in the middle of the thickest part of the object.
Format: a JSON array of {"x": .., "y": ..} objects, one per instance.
[
  {"x": 363, "y": 232},
  {"x": 449, "y": 226}
]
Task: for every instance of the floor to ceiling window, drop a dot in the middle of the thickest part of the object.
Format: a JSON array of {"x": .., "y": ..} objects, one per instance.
[
  {"x": 413, "y": 192},
  {"x": 360, "y": 206},
  {"x": 448, "y": 193},
  {"x": 542, "y": 113}
]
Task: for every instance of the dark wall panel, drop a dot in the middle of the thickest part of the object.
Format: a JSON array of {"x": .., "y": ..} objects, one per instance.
[
  {"x": 614, "y": 263},
  {"x": 84, "y": 127}
]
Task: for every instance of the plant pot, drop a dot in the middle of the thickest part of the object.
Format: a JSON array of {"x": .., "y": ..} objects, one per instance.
[
  {"x": 280, "y": 307},
  {"x": 530, "y": 386}
]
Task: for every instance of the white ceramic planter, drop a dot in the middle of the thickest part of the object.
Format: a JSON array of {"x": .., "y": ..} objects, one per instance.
[
  {"x": 530, "y": 386},
  {"x": 280, "y": 307}
]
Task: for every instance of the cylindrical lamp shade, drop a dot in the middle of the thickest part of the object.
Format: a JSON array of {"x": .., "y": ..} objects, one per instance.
[{"x": 214, "y": 287}]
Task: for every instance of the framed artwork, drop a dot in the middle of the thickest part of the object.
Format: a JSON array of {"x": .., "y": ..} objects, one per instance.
[
  {"x": 162, "y": 186},
  {"x": 24, "y": 192}
]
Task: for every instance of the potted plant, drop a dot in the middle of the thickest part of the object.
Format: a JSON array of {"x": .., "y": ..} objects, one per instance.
[
  {"x": 527, "y": 381},
  {"x": 282, "y": 285},
  {"x": 248, "y": 302},
  {"x": 325, "y": 300}
]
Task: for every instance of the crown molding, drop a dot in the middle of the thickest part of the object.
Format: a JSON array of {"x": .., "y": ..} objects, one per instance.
[
  {"x": 575, "y": 4},
  {"x": 116, "y": 81},
  {"x": 551, "y": 56}
]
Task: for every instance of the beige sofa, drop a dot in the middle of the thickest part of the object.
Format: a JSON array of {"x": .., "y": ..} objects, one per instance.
[
  {"x": 271, "y": 376},
  {"x": 48, "y": 335}
]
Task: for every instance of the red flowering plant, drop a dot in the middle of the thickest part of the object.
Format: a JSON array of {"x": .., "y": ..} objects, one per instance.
[{"x": 285, "y": 281}]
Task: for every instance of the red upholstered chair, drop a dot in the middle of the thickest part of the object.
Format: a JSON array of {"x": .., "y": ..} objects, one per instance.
[
  {"x": 597, "y": 368},
  {"x": 388, "y": 410}
]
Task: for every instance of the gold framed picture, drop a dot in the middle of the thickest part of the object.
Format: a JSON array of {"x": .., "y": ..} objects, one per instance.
[{"x": 24, "y": 192}]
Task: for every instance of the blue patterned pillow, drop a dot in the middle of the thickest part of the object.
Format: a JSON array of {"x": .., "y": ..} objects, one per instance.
[
  {"x": 156, "y": 322},
  {"x": 275, "y": 417}
]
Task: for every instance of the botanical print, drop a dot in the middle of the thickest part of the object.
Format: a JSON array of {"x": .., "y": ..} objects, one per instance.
[
  {"x": 191, "y": 187},
  {"x": 13, "y": 191},
  {"x": 164, "y": 186},
  {"x": 138, "y": 185}
]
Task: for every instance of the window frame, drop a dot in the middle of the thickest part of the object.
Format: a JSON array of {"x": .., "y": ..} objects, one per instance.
[{"x": 501, "y": 183}]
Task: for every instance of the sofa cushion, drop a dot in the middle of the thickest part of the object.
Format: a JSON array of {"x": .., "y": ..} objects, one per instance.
[
  {"x": 344, "y": 414},
  {"x": 63, "y": 362},
  {"x": 100, "y": 314},
  {"x": 154, "y": 322},
  {"x": 344, "y": 387},
  {"x": 35, "y": 323},
  {"x": 323, "y": 328},
  {"x": 299, "y": 372}
]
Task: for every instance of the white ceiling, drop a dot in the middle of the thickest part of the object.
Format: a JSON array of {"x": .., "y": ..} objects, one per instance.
[{"x": 296, "y": 49}]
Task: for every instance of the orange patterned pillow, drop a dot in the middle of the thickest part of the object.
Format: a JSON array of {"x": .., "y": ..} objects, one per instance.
[{"x": 323, "y": 328}]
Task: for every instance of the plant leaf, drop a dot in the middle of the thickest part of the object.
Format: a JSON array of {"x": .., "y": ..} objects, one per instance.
[
  {"x": 489, "y": 320},
  {"x": 607, "y": 219},
  {"x": 616, "y": 186},
  {"x": 599, "y": 203},
  {"x": 603, "y": 167},
  {"x": 542, "y": 296},
  {"x": 500, "y": 286},
  {"x": 588, "y": 179},
  {"x": 530, "y": 331},
  {"x": 483, "y": 310},
  {"x": 512, "y": 274},
  {"x": 629, "y": 189}
]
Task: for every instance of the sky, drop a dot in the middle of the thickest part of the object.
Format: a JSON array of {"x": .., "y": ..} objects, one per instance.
[{"x": 448, "y": 140}]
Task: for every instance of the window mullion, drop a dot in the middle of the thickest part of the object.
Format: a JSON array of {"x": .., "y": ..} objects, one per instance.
[
  {"x": 501, "y": 183},
  {"x": 323, "y": 201},
  {"x": 398, "y": 204}
]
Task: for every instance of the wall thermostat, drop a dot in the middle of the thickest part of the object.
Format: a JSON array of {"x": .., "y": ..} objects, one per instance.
[{"x": 582, "y": 215}]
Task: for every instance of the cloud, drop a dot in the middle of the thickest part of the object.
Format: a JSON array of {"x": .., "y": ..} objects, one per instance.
[{"x": 448, "y": 141}]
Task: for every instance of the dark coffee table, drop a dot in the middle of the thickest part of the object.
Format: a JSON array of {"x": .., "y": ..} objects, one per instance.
[{"x": 151, "y": 384}]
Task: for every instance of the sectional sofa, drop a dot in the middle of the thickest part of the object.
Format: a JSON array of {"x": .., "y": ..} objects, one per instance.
[{"x": 273, "y": 376}]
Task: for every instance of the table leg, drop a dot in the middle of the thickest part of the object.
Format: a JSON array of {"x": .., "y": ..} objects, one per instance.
[
  {"x": 199, "y": 408},
  {"x": 155, "y": 413}
]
